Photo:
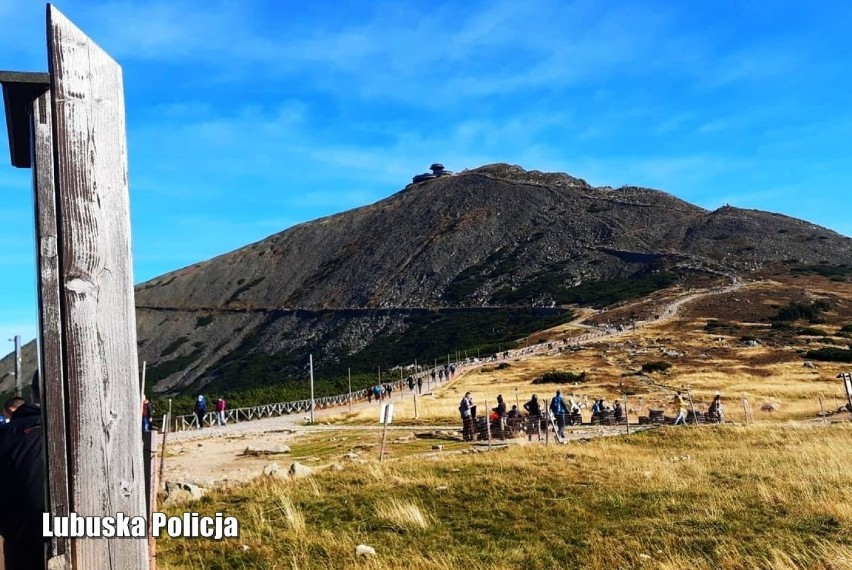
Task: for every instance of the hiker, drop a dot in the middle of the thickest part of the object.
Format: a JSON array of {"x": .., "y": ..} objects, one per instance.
[
  {"x": 220, "y": 411},
  {"x": 22, "y": 486},
  {"x": 147, "y": 413},
  {"x": 681, "y": 409},
  {"x": 369, "y": 392},
  {"x": 533, "y": 409},
  {"x": 557, "y": 407},
  {"x": 618, "y": 412},
  {"x": 714, "y": 412},
  {"x": 200, "y": 410},
  {"x": 499, "y": 419},
  {"x": 420, "y": 385},
  {"x": 466, "y": 411},
  {"x": 514, "y": 419},
  {"x": 411, "y": 384}
]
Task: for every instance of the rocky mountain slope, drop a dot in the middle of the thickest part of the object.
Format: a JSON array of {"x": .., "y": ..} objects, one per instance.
[{"x": 497, "y": 241}]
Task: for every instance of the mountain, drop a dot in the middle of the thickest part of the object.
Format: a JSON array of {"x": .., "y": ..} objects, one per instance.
[{"x": 468, "y": 261}]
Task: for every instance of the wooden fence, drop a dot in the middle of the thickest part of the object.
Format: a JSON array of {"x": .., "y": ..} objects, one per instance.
[{"x": 236, "y": 415}]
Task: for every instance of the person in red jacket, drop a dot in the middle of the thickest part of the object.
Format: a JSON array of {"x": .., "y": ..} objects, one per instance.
[{"x": 220, "y": 411}]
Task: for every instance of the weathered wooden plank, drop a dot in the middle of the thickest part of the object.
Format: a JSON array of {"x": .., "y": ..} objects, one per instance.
[
  {"x": 99, "y": 322},
  {"x": 50, "y": 322}
]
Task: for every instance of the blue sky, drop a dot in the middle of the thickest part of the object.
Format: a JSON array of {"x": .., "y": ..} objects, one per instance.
[{"x": 248, "y": 116}]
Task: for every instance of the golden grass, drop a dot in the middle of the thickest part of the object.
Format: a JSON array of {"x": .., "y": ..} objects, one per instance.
[
  {"x": 403, "y": 515},
  {"x": 767, "y": 496}
]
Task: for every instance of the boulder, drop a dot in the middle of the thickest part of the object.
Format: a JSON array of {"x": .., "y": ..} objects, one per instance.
[
  {"x": 272, "y": 470},
  {"x": 297, "y": 470},
  {"x": 258, "y": 451},
  {"x": 364, "y": 550},
  {"x": 179, "y": 492}
]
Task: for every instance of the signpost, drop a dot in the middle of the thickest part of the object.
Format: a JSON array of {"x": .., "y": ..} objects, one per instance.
[
  {"x": 847, "y": 383},
  {"x": 385, "y": 418}
]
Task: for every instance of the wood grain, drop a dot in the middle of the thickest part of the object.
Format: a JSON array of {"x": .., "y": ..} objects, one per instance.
[{"x": 99, "y": 326}]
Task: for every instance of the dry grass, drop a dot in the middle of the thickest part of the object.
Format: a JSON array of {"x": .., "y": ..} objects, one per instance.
[
  {"x": 403, "y": 515},
  {"x": 770, "y": 496}
]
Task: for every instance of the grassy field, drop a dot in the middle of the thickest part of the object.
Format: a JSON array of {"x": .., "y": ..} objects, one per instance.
[
  {"x": 775, "y": 494},
  {"x": 768, "y": 496}
]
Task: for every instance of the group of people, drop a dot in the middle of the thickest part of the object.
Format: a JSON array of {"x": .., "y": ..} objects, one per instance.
[
  {"x": 714, "y": 410},
  {"x": 563, "y": 413}
]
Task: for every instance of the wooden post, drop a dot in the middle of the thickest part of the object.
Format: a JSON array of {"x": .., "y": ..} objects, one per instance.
[
  {"x": 349, "y": 375},
  {"x": 311, "y": 357},
  {"x": 691, "y": 406},
  {"x": 488, "y": 424},
  {"x": 517, "y": 401},
  {"x": 847, "y": 384},
  {"x": 387, "y": 410},
  {"x": 142, "y": 391},
  {"x": 71, "y": 130},
  {"x": 626, "y": 415},
  {"x": 822, "y": 410},
  {"x": 745, "y": 409},
  {"x": 415, "y": 405},
  {"x": 149, "y": 449}
]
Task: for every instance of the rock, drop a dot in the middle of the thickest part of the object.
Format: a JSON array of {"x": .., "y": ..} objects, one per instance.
[
  {"x": 177, "y": 492},
  {"x": 438, "y": 447},
  {"x": 351, "y": 456},
  {"x": 809, "y": 364},
  {"x": 258, "y": 451},
  {"x": 271, "y": 470},
  {"x": 336, "y": 467},
  {"x": 298, "y": 470},
  {"x": 364, "y": 550},
  {"x": 245, "y": 547},
  {"x": 769, "y": 407}
]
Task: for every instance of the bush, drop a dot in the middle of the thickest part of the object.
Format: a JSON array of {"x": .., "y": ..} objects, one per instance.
[
  {"x": 560, "y": 377},
  {"x": 846, "y": 328},
  {"x": 503, "y": 366},
  {"x": 830, "y": 354},
  {"x": 811, "y": 331},
  {"x": 809, "y": 311},
  {"x": 656, "y": 366}
]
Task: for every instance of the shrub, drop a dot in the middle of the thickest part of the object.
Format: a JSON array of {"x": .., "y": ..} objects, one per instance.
[
  {"x": 560, "y": 377},
  {"x": 846, "y": 328},
  {"x": 503, "y": 366},
  {"x": 656, "y": 366},
  {"x": 809, "y": 311},
  {"x": 830, "y": 354},
  {"x": 811, "y": 331}
]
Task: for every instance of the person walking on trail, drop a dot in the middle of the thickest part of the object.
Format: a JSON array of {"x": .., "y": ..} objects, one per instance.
[
  {"x": 466, "y": 411},
  {"x": 411, "y": 384},
  {"x": 147, "y": 413},
  {"x": 200, "y": 410},
  {"x": 557, "y": 407},
  {"x": 420, "y": 385},
  {"x": 680, "y": 404},
  {"x": 220, "y": 411}
]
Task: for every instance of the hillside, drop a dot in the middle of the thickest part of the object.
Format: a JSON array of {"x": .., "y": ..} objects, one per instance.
[{"x": 464, "y": 262}]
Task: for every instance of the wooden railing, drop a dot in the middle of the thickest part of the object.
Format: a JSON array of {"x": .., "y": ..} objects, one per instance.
[{"x": 236, "y": 415}]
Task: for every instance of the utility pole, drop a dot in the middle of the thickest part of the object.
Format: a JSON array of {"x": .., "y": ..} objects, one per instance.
[{"x": 17, "y": 341}]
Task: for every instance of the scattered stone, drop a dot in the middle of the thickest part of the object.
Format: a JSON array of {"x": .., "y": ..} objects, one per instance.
[
  {"x": 364, "y": 550},
  {"x": 336, "y": 467},
  {"x": 438, "y": 447},
  {"x": 297, "y": 470},
  {"x": 809, "y": 364},
  {"x": 351, "y": 456},
  {"x": 259, "y": 452},
  {"x": 769, "y": 407},
  {"x": 271, "y": 470},
  {"x": 177, "y": 492},
  {"x": 245, "y": 547},
  {"x": 442, "y": 488}
]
